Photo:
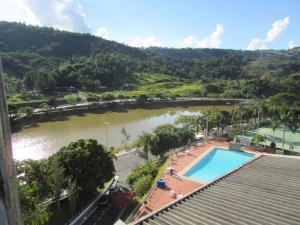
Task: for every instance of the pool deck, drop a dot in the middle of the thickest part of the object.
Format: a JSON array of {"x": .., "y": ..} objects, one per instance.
[{"x": 178, "y": 184}]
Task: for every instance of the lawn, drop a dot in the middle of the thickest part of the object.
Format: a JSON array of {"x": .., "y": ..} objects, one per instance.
[{"x": 292, "y": 141}]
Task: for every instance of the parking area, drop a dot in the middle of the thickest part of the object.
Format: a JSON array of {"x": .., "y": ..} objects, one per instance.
[{"x": 125, "y": 163}]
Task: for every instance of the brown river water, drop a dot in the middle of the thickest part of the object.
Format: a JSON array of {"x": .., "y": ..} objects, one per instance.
[{"x": 44, "y": 139}]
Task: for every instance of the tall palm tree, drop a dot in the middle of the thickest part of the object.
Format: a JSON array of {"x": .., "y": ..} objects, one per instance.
[
  {"x": 293, "y": 124},
  {"x": 275, "y": 124},
  {"x": 285, "y": 117},
  {"x": 194, "y": 122},
  {"x": 211, "y": 119},
  {"x": 258, "y": 112},
  {"x": 224, "y": 120},
  {"x": 144, "y": 141}
]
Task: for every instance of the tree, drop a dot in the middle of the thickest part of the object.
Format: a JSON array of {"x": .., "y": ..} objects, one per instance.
[
  {"x": 125, "y": 135},
  {"x": 58, "y": 179},
  {"x": 12, "y": 110},
  {"x": 53, "y": 102},
  {"x": 184, "y": 136},
  {"x": 144, "y": 141},
  {"x": 33, "y": 211},
  {"x": 293, "y": 124},
  {"x": 35, "y": 186},
  {"x": 40, "y": 80},
  {"x": 149, "y": 168},
  {"x": 71, "y": 99},
  {"x": 44, "y": 106},
  {"x": 26, "y": 112},
  {"x": 87, "y": 163},
  {"x": 211, "y": 119},
  {"x": 165, "y": 138},
  {"x": 72, "y": 191},
  {"x": 142, "y": 185},
  {"x": 195, "y": 122},
  {"x": 285, "y": 117},
  {"x": 258, "y": 138},
  {"x": 275, "y": 124},
  {"x": 223, "y": 120},
  {"x": 141, "y": 98}
]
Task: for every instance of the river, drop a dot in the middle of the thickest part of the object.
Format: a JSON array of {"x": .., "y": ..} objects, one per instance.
[{"x": 43, "y": 139}]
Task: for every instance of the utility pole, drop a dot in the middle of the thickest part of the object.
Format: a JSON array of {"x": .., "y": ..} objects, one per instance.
[
  {"x": 9, "y": 197},
  {"x": 106, "y": 126}
]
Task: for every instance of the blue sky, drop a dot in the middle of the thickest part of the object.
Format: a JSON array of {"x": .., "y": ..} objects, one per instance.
[{"x": 236, "y": 24}]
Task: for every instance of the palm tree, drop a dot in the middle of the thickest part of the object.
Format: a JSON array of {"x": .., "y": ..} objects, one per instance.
[
  {"x": 275, "y": 124},
  {"x": 293, "y": 124},
  {"x": 195, "y": 122},
  {"x": 211, "y": 119},
  {"x": 257, "y": 112},
  {"x": 285, "y": 117},
  {"x": 224, "y": 120},
  {"x": 145, "y": 141}
]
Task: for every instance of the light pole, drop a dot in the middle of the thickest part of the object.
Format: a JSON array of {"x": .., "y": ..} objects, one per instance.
[{"x": 106, "y": 126}]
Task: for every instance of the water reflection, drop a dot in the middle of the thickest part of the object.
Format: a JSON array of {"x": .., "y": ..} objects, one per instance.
[{"x": 44, "y": 139}]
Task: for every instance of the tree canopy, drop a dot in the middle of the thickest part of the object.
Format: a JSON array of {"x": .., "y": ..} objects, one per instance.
[{"x": 86, "y": 162}]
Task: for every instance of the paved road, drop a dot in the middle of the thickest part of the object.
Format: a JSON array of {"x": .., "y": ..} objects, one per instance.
[
  {"x": 109, "y": 214},
  {"x": 124, "y": 164}
]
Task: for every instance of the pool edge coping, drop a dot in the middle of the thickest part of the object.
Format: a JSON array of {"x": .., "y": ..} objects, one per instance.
[
  {"x": 202, "y": 188},
  {"x": 204, "y": 154}
]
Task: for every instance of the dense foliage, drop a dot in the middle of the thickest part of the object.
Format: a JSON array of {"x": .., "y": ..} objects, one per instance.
[
  {"x": 149, "y": 168},
  {"x": 80, "y": 166},
  {"x": 86, "y": 162},
  {"x": 141, "y": 177},
  {"x": 42, "y": 59}
]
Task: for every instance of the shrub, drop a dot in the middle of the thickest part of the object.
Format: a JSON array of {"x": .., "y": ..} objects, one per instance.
[
  {"x": 93, "y": 98},
  {"x": 148, "y": 168},
  {"x": 108, "y": 97},
  {"x": 26, "y": 112},
  {"x": 273, "y": 145},
  {"x": 71, "y": 99},
  {"x": 141, "y": 98},
  {"x": 142, "y": 185},
  {"x": 44, "y": 106}
]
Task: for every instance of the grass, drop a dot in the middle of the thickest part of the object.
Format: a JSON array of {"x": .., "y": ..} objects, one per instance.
[
  {"x": 155, "y": 84},
  {"x": 151, "y": 84}
]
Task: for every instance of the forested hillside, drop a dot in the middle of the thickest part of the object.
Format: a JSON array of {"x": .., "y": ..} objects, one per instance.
[{"x": 36, "y": 58}]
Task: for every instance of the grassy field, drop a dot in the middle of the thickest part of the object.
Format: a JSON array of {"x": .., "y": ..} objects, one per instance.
[
  {"x": 156, "y": 84},
  {"x": 292, "y": 140}
]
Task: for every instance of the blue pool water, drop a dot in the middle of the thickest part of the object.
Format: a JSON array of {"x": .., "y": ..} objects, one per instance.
[{"x": 217, "y": 163}]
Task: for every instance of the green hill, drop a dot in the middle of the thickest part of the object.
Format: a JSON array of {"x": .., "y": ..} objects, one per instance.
[{"x": 38, "y": 58}]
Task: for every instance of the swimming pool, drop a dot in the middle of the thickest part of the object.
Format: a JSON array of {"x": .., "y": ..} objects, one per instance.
[{"x": 217, "y": 163}]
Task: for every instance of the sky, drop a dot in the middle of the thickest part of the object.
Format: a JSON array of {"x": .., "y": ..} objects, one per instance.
[{"x": 229, "y": 24}]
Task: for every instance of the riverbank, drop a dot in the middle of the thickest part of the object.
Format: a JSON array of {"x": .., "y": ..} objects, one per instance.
[{"x": 60, "y": 113}]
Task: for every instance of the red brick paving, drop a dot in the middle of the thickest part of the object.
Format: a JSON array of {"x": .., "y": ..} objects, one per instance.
[{"x": 181, "y": 186}]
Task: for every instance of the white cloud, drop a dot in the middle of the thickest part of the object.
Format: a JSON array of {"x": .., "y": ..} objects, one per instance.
[
  {"x": 187, "y": 42},
  {"x": 142, "y": 41},
  {"x": 257, "y": 43},
  {"x": 213, "y": 40},
  {"x": 61, "y": 14},
  {"x": 277, "y": 28},
  {"x": 292, "y": 44},
  {"x": 102, "y": 32}
]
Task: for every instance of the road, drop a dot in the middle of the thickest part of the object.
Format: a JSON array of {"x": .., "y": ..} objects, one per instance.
[
  {"x": 125, "y": 163},
  {"x": 95, "y": 214},
  {"x": 66, "y": 106}
]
